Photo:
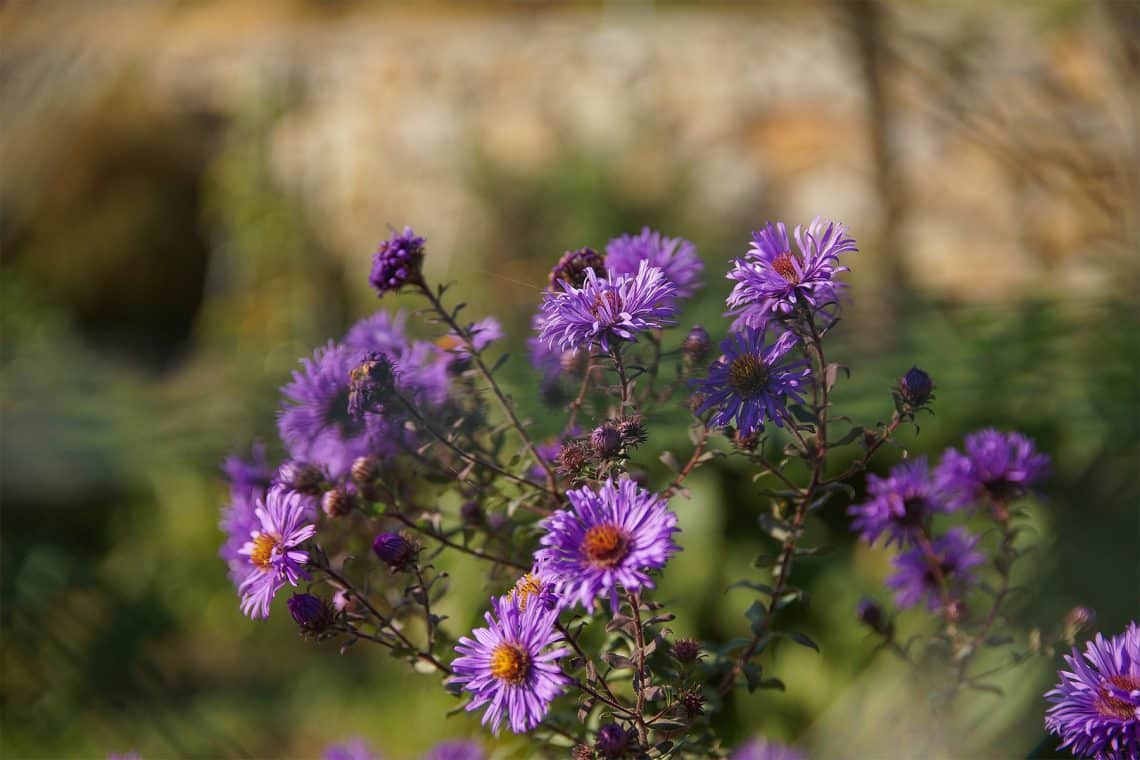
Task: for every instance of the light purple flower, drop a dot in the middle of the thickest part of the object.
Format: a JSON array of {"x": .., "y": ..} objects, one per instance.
[
  {"x": 1096, "y": 706},
  {"x": 456, "y": 749},
  {"x": 248, "y": 480},
  {"x": 772, "y": 279},
  {"x": 607, "y": 311},
  {"x": 899, "y": 505},
  {"x": 508, "y": 665},
  {"x": 610, "y": 538},
  {"x": 915, "y": 578},
  {"x": 760, "y": 748},
  {"x": 999, "y": 465},
  {"x": 284, "y": 522},
  {"x": 676, "y": 257},
  {"x": 353, "y": 749},
  {"x": 751, "y": 382}
]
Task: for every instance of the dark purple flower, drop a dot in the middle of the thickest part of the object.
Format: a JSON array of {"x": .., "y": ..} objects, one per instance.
[
  {"x": 916, "y": 577},
  {"x": 456, "y": 749},
  {"x": 771, "y": 280},
  {"x": 676, "y": 257},
  {"x": 610, "y": 538},
  {"x": 612, "y": 741},
  {"x": 572, "y": 267},
  {"x": 1096, "y": 706},
  {"x": 604, "y": 311},
  {"x": 353, "y": 749},
  {"x": 686, "y": 650},
  {"x": 508, "y": 665},
  {"x": 1000, "y": 465},
  {"x": 284, "y": 522},
  {"x": 751, "y": 382},
  {"x": 870, "y": 613},
  {"x": 314, "y": 421},
  {"x": 760, "y": 748},
  {"x": 899, "y": 505},
  {"x": 395, "y": 551},
  {"x": 313, "y": 615},
  {"x": 397, "y": 262}
]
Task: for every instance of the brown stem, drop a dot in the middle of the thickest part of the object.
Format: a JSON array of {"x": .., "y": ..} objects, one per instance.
[
  {"x": 689, "y": 466},
  {"x": 639, "y": 686},
  {"x": 459, "y": 547},
  {"x": 576, "y": 404}
]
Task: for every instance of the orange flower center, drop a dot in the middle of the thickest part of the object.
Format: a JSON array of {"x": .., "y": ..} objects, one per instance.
[
  {"x": 1115, "y": 707},
  {"x": 748, "y": 375},
  {"x": 262, "y": 553},
  {"x": 527, "y": 586},
  {"x": 605, "y": 546},
  {"x": 785, "y": 267},
  {"x": 510, "y": 663}
]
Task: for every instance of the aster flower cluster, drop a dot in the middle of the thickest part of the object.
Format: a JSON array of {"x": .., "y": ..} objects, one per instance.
[{"x": 403, "y": 455}]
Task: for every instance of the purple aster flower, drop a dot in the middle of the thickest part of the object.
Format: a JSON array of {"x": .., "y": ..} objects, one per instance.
[
  {"x": 1096, "y": 706},
  {"x": 605, "y": 311},
  {"x": 285, "y": 521},
  {"x": 611, "y": 538},
  {"x": 751, "y": 382},
  {"x": 1000, "y": 465},
  {"x": 397, "y": 262},
  {"x": 899, "y": 505},
  {"x": 248, "y": 481},
  {"x": 676, "y": 257},
  {"x": 760, "y": 748},
  {"x": 456, "y": 749},
  {"x": 353, "y": 749},
  {"x": 508, "y": 665},
  {"x": 771, "y": 280},
  {"x": 314, "y": 422},
  {"x": 612, "y": 741},
  {"x": 915, "y": 577}
]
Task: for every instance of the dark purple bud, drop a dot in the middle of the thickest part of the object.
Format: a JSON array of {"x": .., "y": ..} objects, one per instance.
[
  {"x": 632, "y": 430},
  {"x": 572, "y": 458},
  {"x": 471, "y": 513},
  {"x": 397, "y": 262},
  {"x": 496, "y": 521},
  {"x": 915, "y": 387},
  {"x": 365, "y": 470},
  {"x": 571, "y": 268},
  {"x": 605, "y": 440},
  {"x": 395, "y": 551},
  {"x": 686, "y": 650},
  {"x": 871, "y": 614},
  {"x": 314, "y": 616},
  {"x": 613, "y": 740},
  {"x": 299, "y": 476},
  {"x": 338, "y": 502},
  {"x": 693, "y": 702},
  {"x": 573, "y": 362},
  {"x": 696, "y": 345}
]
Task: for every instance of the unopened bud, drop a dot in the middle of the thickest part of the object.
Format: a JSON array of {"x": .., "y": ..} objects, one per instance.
[
  {"x": 305, "y": 478},
  {"x": 395, "y": 551},
  {"x": 313, "y": 616},
  {"x": 605, "y": 441},
  {"x": 1078, "y": 621},
  {"x": 696, "y": 345},
  {"x": 915, "y": 388},
  {"x": 338, "y": 502},
  {"x": 613, "y": 740}
]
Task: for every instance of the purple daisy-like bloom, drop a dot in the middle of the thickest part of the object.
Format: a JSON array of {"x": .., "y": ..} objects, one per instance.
[
  {"x": 610, "y": 538},
  {"x": 1096, "y": 706},
  {"x": 760, "y": 748},
  {"x": 605, "y": 311},
  {"x": 508, "y": 665},
  {"x": 456, "y": 749},
  {"x": 898, "y": 505},
  {"x": 772, "y": 280},
  {"x": 248, "y": 480},
  {"x": 353, "y": 749},
  {"x": 915, "y": 579},
  {"x": 285, "y": 521},
  {"x": 397, "y": 262},
  {"x": 676, "y": 257},
  {"x": 751, "y": 382},
  {"x": 1000, "y": 465}
]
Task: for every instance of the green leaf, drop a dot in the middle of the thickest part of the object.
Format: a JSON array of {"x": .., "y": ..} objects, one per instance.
[{"x": 801, "y": 639}]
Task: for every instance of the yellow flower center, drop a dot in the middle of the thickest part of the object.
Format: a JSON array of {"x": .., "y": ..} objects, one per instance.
[
  {"x": 785, "y": 267},
  {"x": 605, "y": 546},
  {"x": 262, "y": 553},
  {"x": 510, "y": 663},
  {"x": 748, "y": 375}
]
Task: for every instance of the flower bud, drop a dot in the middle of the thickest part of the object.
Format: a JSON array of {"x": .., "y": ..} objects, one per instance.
[
  {"x": 395, "y": 551},
  {"x": 343, "y": 601},
  {"x": 605, "y": 441},
  {"x": 696, "y": 345},
  {"x": 338, "y": 502},
  {"x": 305, "y": 478},
  {"x": 582, "y": 752},
  {"x": 871, "y": 614},
  {"x": 471, "y": 513},
  {"x": 572, "y": 458},
  {"x": 693, "y": 702},
  {"x": 571, "y": 268},
  {"x": 1079, "y": 620},
  {"x": 915, "y": 388},
  {"x": 314, "y": 616},
  {"x": 686, "y": 650},
  {"x": 397, "y": 262},
  {"x": 632, "y": 430},
  {"x": 573, "y": 362},
  {"x": 613, "y": 740}
]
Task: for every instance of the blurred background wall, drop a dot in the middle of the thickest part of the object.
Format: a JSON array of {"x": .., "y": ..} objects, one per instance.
[{"x": 190, "y": 193}]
